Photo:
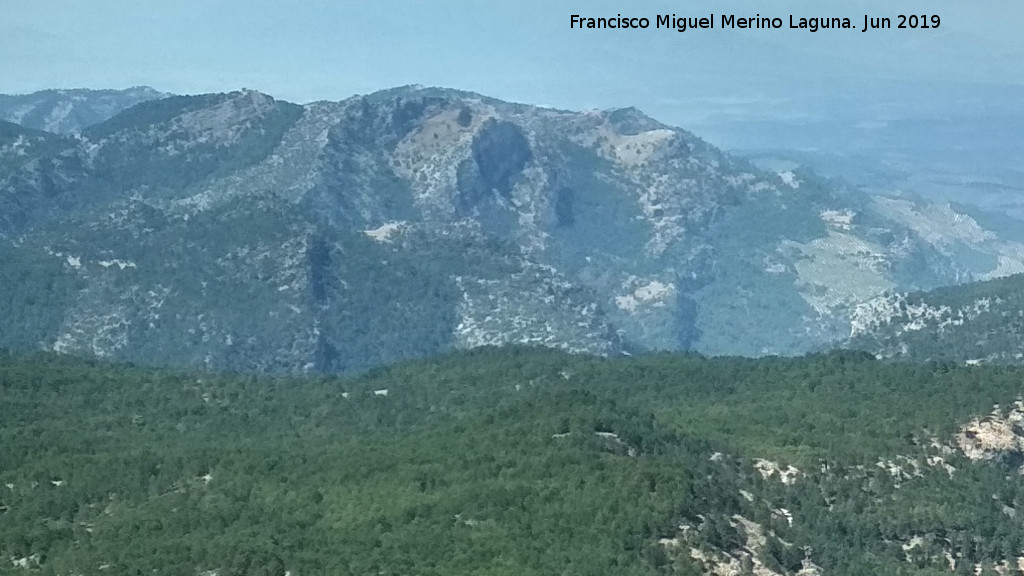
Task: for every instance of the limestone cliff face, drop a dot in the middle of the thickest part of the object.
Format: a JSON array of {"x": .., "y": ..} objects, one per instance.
[{"x": 341, "y": 235}]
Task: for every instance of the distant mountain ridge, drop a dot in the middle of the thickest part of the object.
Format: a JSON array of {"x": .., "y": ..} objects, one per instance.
[
  {"x": 70, "y": 111},
  {"x": 235, "y": 231}
]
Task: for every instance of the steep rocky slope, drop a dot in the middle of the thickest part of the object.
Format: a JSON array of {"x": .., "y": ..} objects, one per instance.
[{"x": 339, "y": 235}]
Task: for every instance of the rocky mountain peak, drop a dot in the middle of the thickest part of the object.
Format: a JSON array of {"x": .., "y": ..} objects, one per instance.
[
  {"x": 221, "y": 123},
  {"x": 493, "y": 222},
  {"x": 631, "y": 121}
]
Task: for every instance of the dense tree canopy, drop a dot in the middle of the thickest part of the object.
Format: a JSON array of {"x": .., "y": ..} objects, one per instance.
[{"x": 498, "y": 461}]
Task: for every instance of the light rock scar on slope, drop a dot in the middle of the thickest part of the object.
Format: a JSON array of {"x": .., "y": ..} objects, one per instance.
[{"x": 994, "y": 437}]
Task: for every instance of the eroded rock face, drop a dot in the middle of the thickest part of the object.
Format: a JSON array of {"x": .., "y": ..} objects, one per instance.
[
  {"x": 500, "y": 151},
  {"x": 786, "y": 474},
  {"x": 746, "y": 559},
  {"x": 998, "y": 436}
]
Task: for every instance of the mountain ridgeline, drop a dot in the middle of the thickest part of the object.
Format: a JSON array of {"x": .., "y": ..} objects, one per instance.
[
  {"x": 238, "y": 232},
  {"x": 70, "y": 111},
  {"x": 981, "y": 322}
]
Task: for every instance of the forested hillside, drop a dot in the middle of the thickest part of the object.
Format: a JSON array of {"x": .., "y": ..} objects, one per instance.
[{"x": 510, "y": 461}]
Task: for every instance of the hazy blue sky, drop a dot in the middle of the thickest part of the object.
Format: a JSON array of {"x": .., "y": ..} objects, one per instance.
[{"x": 522, "y": 50}]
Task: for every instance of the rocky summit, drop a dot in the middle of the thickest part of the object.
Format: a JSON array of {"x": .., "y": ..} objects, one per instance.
[{"x": 235, "y": 231}]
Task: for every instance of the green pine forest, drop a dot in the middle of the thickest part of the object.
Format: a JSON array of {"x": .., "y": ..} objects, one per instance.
[{"x": 500, "y": 461}]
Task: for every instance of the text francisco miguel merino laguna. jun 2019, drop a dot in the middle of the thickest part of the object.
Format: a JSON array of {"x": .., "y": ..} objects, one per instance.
[{"x": 755, "y": 22}]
